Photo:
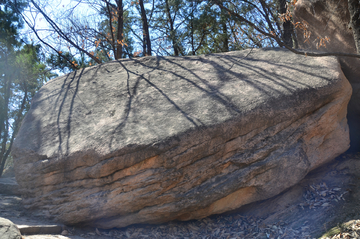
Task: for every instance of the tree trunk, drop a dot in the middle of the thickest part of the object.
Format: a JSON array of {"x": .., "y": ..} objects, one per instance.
[
  {"x": 192, "y": 28},
  {"x": 172, "y": 31},
  {"x": 225, "y": 31},
  {"x": 5, "y": 116},
  {"x": 192, "y": 37},
  {"x": 113, "y": 43},
  {"x": 354, "y": 10},
  {"x": 146, "y": 35},
  {"x": 287, "y": 25},
  {"x": 120, "y": 30}
]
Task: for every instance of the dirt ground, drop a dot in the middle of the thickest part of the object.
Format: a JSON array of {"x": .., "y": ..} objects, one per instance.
[{"x": 326, "y": 200}]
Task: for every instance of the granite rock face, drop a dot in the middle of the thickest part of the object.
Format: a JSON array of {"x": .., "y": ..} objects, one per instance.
[
  {"x": 330, "y": 18},
  {"x": 153, "y": 139},
  {"x": 9, "y": 230}
]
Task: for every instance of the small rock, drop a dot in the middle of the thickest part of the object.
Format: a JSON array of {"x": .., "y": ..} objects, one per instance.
[
  {"x": 9, "y": 230},
  {"x": 64, "y": 233},
  {"x": 262, "y": 235}
]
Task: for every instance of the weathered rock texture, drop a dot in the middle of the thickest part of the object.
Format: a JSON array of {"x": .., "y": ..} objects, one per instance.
[
  {"x": 9, "y": 186},
  {"x": 9, "y": 230},
  {"x": 154, "y": 139},
  {"x": 331, "y": 18}
]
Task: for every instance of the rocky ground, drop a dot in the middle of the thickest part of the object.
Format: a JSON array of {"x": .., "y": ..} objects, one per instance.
[{"x": 326, "y": 201}]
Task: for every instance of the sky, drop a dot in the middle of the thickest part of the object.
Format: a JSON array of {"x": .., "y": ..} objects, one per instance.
[{"x": 53, "y": 8}]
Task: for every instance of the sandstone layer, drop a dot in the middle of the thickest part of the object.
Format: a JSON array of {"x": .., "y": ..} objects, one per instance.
[
  {"x": 154, "y": 139},
  {"x": 330, "y": 19}
]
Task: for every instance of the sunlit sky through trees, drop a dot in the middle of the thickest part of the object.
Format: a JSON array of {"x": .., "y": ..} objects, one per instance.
[
  {"x": 83, "y": 11},
  {"x": 81, "y": 33}
]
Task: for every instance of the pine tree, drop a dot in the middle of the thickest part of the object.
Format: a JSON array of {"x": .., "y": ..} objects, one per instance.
[{"x": 21, "y": 75}]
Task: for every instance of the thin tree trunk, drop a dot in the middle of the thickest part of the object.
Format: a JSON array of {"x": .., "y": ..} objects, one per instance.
[
  {"x": 172, "y": 31},
  {"x": 146, "y": 35},
  {"x": 226, "y": 38},
  {"x": 120, "y": 30},
  {"x": 354, "y": 9},
  {"x": 111, "y": 27},
  {"x": 2, "y": 165},
  {"x": 192, "y": 36},
  {"x": 5, "y": 118},
  {"x": 192, "y": 28},
  {"x": 225, "y": 31},
  {"x": 287, "y": 25}
]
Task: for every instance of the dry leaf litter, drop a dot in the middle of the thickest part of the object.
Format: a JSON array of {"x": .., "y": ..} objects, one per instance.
[{"x": 316, "y": 196}]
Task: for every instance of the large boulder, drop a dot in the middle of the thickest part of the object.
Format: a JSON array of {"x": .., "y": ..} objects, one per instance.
[
  {"x": 9, "y": 230},
  {"x": 153, "y": 139},
  {"x": 330, "y": 18}
]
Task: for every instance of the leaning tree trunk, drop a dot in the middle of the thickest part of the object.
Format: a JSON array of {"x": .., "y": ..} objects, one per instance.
[
  {"x": 354, "y": 10},
  {"x": 146, "y": 36}
]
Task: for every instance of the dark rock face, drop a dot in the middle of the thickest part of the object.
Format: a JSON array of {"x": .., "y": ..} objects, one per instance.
[
  {"x": 331, "y": 19},
  {"x": 9, "y": 230},
  {"x": 9, "y": 186},
  {"x": 153, "y": 139}
]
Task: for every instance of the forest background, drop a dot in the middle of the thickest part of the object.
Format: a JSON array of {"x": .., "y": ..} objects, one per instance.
[{"x": 42, "y": 39}]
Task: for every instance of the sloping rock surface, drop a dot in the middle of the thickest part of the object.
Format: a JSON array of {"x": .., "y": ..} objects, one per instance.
[{"x": 153, "y": 139}]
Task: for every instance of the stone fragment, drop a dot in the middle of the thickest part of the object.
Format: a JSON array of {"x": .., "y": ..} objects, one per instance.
[
  {"x": 8, "y": 230},
  {"x": 154, "y": 139},
  {"x": 30, "y": 229}
]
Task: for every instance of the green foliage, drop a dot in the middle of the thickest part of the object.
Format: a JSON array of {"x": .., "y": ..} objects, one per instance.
[
  {"x": 10, "y": 21},
  {"x": 216, "y": 30},
  {"x": 55, "y": 61},
  {"x": 21, "y": 75}
]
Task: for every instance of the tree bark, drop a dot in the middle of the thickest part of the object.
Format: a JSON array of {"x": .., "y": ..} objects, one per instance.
[
  {"x": 172, "y": 30},
  {"x": 120, "y": 30},
  {"x": 192, "y": 29},
  {"x": 108, "y": 8},
  {"x": 287, "y": 25},
  {"x": 5, "y": 116},
  {"x": 354, "y": 10},
  {"x": 224, "y": 31},
  {"x": 146, "y": 35}
]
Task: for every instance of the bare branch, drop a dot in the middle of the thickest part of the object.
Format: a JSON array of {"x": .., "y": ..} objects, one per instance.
[
  {"x": 61, "y": 33},
  {"x": 279, "y": 41}
]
